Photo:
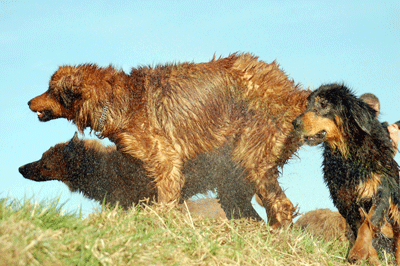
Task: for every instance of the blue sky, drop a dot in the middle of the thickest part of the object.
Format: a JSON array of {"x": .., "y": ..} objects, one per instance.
[{"x": 315, "y": 42}]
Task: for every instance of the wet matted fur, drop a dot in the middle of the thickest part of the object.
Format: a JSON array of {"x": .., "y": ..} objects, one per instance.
[
  {"x": 358, "y": 165},
  {"x": 167, "y": 114},
  {"x": 103, "y": 174}
]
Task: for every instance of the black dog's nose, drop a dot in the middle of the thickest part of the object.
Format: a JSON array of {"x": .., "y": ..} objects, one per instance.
[
  {"x": 22, "y": 170},
  {"x": 297, "y": 123}
]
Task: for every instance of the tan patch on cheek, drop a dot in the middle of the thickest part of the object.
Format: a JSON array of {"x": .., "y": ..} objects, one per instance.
[
  {"x": 336, "y": 138},
  {"x": 313, "y": 124}
]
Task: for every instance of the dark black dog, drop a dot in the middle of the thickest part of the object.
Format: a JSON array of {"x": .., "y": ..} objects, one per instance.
[
  {"x": 105, "y": 174},
  {"x": 358, "y": 165}
]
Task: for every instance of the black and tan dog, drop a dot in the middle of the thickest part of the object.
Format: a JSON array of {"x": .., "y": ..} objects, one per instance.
[{"x": 358, "y": 165}]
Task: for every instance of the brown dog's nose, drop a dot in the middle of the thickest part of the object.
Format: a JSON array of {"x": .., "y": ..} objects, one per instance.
[{"x": 29, "y": 103}]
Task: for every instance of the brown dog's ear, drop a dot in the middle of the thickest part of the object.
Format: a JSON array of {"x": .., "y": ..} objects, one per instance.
[
  {"x": 69, "y": 89},
  {"x": 69, "y": 82}
]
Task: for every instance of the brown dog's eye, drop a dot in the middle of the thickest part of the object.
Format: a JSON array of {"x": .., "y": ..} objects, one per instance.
[
  {"x": 45, "y": 167},
  {"x": 323, "y": 105}
]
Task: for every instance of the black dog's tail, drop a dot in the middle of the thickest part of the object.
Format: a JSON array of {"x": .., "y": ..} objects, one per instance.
[{"x": 386, "y": 124}]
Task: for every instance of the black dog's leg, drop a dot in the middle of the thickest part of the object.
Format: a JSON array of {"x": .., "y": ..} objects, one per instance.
[
  {"x": 235, "y": 195},
  {"x": 369, "y": 228},
  {"x": 381, "y": 207}
]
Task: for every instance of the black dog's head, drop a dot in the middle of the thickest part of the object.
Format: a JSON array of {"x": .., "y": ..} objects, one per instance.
[
  {"x": 334, "y": 114},
  {"x": 55, "y": 162}
]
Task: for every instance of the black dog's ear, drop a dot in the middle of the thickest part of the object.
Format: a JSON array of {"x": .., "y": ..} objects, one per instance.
[
  {"x": 363, "y": 116},
  {"x": 71, "y": 144},
  {"x": 75, "y": 137}
]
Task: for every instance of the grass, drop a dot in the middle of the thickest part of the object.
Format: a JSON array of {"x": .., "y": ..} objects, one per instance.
[{"x": 40, "y": 234}]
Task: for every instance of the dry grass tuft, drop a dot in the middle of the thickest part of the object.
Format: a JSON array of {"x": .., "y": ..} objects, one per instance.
[{"x": 37, "y": 234}]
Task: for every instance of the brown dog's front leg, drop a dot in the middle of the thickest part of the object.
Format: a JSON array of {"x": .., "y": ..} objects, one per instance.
[
  {"x": 169, "y": 179},
  {"x": 280, "y": 210},
  {"x": 169, "y": 185},
  {"x": 161, "y": 161}
]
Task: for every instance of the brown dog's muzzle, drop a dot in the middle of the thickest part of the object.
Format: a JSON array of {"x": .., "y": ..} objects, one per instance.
[{"x": 45, "y": 107}]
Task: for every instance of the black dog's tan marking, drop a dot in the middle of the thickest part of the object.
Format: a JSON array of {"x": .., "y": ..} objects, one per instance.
[{"x": 358, "y": 165}]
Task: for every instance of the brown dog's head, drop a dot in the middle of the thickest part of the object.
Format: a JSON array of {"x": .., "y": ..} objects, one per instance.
[
  {"x": 334, "y": 114},
  {"x": 53, "y": 165},
  {"x": 61, "y": 97},
  {"x": 78, "y": 93}
]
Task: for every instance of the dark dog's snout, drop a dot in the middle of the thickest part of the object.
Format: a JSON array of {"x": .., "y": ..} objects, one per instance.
[
  {"x": 22, "y": 170},
  {"x": 29, "y": 171},
  {"x": 297, "y": 123}
]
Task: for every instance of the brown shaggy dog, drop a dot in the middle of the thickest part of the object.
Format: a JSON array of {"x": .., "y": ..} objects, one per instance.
[
  {"x": 325, "y": 223},
  {"x": 104, "y": 174},
  {"x": 205, "y": 207},
  {"x": 359, "y": 169},
  {"x": 167, "y": 114}
]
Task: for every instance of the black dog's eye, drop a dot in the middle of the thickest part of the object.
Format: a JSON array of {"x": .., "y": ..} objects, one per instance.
[
  {"x": 323, "y": 104},
  {"x": 321, "y": 107}
]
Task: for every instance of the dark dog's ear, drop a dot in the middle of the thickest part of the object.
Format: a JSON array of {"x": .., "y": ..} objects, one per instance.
[
  {"x": 75, "y": 137},
  {"x": 71, "y": 144},
  {"x": 363, "y": 116}
]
